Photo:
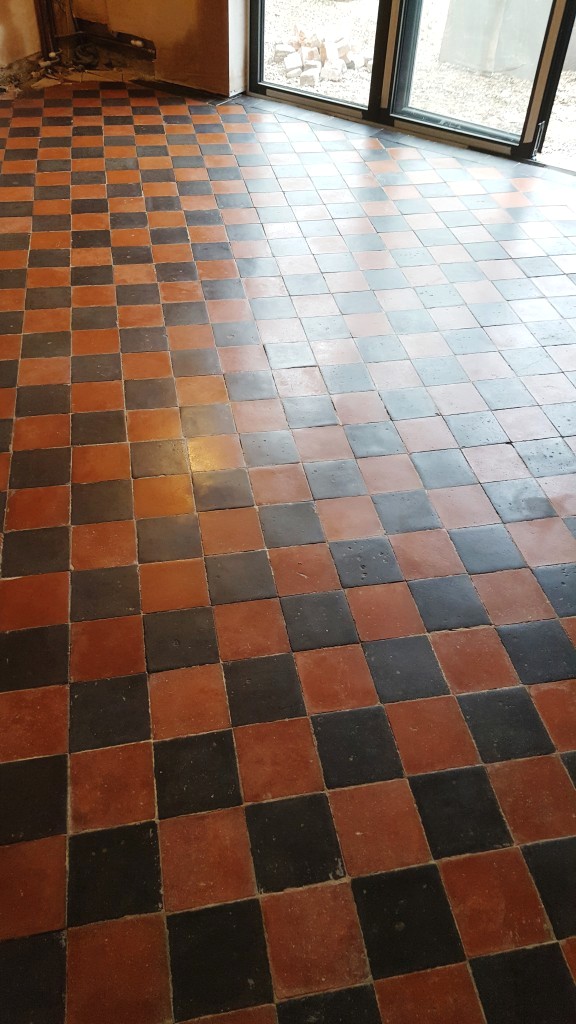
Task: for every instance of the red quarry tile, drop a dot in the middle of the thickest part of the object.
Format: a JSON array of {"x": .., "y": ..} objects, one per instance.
[
  {"x": 426, "y": 435},
  {"x": 4, "y": 469},
  {"x": 188, "y": 701},
  {"x": 30, "y": 601},
  {"x": 274, "y": 485},
  {"x": 307, "y": 569},
  {"x": 367, "y": 325},
  {"x": 473, "y": 659},
  {"x": 544, "y": 541},
  {"x": 201, "y": 390},
  {"x": 537, "y": 797},
  {"x": 229, "y": 310},
  {"x": 277, "y": 759},
  {"x": 44, "y": 371},
  {"x": 384, "y": 611},
  {"x": 332, "y": 353},
  {"x": 456, "y": 398},
  {"x": 230, "y": 530},
  {"x": 215, "y": 270},
  {"x": 393, "y": 376},
  {"x": 41, "y": 432},
  {"x": 239, "y": 358},
  {"x": 299, "y": 382},
  {"x": 378, "y": 827},
  {"x": 132, "y": 236},
  {"x": 426, "y": 554},
  {"x": 321, "y": 443},
  {"x": 113, "y": 786},
  {"x": 349, "y": 518},
  {"x": 431, "y": 735},
  {"x": 169, "y": 585},
  {"x": 496, "y": 462},
  {"x": 47, "y": 277},
  {"x": 314, "y": 940},
  {"x": 105, "y": 648},
  {"x": 89, "y": 257},
  {"x": 33, "y": 887},
  {"x": 13, "y": 260},
  {"x": 561, "y": 491},
  {"x": 95, "y": 342},
  {"x": 12, "y": 298},
  {"x": 569, "y": 950},
  {"x": 118, "y": 971},
  {"x": 94, "y": 295},
  {"x": 217, "y": 846},
  {"x": 556, "y": 703},
  {"x": 96, "y": 462},
  {"x": 367, "y": 407},
  {"x": 525, "y": 424},
  {"x": 445, "y": 995},
  {"x": 162, "y": 496},
  {"x": 264, "y": 287},
  {"x": 153, "y": 424},
  {"x": 569, "y": 625},
  {"x": 216, "y": 452},
  {"x": 264, "y": 414},
  {"x": 7, "y": 395},
  {"x": 495, "y": 902},
  {"x": 335, "y": 679},
  {"x": 101, "y": 396},
  {"x": 140, "y": 316},
  {"x": 34, "y": 508},
  {"x": 250, "y": 629},
  {"x": 24, "y": 714},
  {"x": 103, "y": 545},
  {"x": 185, "y": 291},
  {"x": 146, "y": 365},
  {"x": 463, "y": 506},
  {"x": 513, "y": 595},
  {"x": 384, "y": 473}
]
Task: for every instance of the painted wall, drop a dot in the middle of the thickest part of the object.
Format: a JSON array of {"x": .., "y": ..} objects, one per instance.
[
  {"x": 18, "y": 30},
  {"x": 193, "y": 38},
  {"x": 237, "y": 45}
]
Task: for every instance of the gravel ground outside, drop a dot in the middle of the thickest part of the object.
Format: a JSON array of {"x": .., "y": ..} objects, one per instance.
[
  {"x": 354, "y": 19},
  {"x": 497, "y": 101}
]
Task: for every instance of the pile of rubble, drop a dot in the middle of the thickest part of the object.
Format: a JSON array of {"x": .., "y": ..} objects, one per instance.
[{"x": 308, "y": 59}]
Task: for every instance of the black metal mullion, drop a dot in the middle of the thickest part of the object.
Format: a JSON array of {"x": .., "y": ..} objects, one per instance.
[
  {"x": 409, "y": 27},
  {"x": 374, "y": 111},
  {"x": 256, "y": 45}
]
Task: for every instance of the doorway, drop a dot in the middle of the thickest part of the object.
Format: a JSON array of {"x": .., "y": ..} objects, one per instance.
[
  {"x": 470, "y": 66},
  {"x": 319, "y": 48},
  {"x": 487, "y": 75}
]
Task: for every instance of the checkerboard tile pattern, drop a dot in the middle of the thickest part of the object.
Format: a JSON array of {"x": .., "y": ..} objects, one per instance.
[{"x": 288, "y": 579}]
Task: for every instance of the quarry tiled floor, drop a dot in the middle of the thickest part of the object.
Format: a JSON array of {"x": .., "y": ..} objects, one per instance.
[{"x": 288, "y": 590}]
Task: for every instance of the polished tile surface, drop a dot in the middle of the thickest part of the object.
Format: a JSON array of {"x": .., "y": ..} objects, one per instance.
[{"x": 288, "y": 578}]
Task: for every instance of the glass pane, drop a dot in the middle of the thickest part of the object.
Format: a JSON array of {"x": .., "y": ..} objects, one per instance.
[
  {"x": 475, "y": 62},
  {"x": 323, "y": 47},
  {"x": 560, "y": 144}
]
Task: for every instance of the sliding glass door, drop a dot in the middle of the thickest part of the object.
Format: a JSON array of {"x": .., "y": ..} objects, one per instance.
[
  {"x": 321, "y": 48},
  {"x": 470, "y": 65},
  {"x": 484, "y": 73}
]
